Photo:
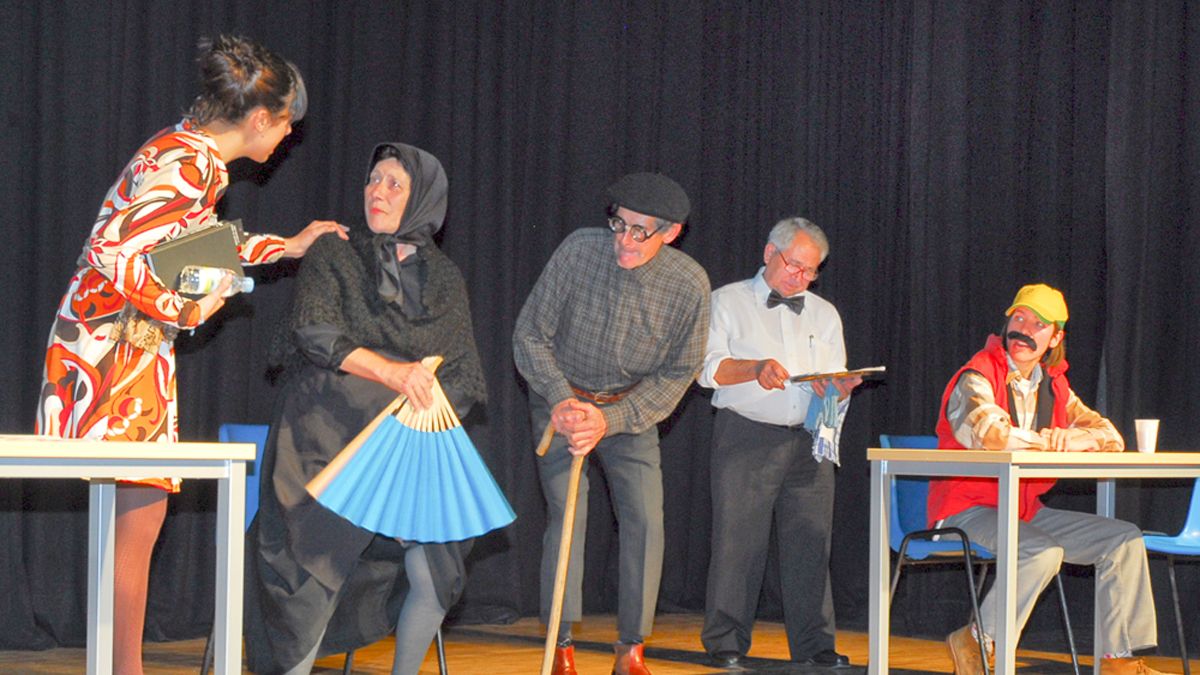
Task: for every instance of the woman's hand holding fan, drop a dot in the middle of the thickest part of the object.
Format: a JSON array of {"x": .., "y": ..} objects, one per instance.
[{"x": 414, "y": 380}]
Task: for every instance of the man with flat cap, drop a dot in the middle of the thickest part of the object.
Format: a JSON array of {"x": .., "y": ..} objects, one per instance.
[
  {"x": 609, "y": 340},
  {"x": 1014, "y": 395}
]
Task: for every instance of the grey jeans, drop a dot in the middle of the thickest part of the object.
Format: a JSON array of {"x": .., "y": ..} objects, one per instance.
[
  {"x": 1124, "y": 600},
  {"x": 633, "y": 468}
]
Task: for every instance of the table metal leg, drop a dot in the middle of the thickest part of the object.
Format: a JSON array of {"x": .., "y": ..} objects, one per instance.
[
  {"x": 1106, "y": 505},
  {"x": 880, "y": 607},
  {"x": 102, "y": 516},
  {"x": 1006, "y": 573},
  {"x": 231, "y": 539}
]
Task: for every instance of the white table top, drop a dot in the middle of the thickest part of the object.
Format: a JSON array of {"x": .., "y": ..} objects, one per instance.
[
  {"x": 1031, "y": 457},
  {"x": 21, "y": 446}
]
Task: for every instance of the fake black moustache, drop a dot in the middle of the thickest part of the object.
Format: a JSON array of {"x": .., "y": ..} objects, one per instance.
[{"x": 1022, "y": 338}]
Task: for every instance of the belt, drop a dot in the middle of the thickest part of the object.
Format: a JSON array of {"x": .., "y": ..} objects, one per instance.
[
  {"x": 787, "y": 427},
  {"x": 602, "y": 397},
  {"x": 781, "y": 427}
]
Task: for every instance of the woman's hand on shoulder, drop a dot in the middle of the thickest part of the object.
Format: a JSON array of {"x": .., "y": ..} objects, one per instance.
[{"x": 297, "y": 246}]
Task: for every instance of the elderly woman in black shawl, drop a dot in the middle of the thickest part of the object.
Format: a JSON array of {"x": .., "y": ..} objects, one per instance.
[{"x": 366, "y": 311}]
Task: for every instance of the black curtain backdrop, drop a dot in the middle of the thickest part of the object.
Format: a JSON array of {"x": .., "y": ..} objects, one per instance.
[{"x": 952, "y": 151}]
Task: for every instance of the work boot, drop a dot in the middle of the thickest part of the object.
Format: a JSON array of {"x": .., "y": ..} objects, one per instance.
[
  {"x": 964, "y": 651},
  {"x": 564, "y": 661},
  {"x": 1129, "y": 666},
  {"x": 629, "y": 660}
]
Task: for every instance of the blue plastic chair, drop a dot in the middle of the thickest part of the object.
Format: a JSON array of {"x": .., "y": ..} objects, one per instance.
[
  {"x": 1186, "y": 543},
  {"x": 248, "y": 433},
  {"x": 242, "y": 433},
  {"x": 915, "y": 544}
]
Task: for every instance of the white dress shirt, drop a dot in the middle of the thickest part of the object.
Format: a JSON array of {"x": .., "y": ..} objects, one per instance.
[{"x": 743, "y": 328}]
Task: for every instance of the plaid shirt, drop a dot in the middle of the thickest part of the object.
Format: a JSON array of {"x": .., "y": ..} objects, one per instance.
[
  {"x": 979, "y": 423},
  {"x": 590, "y": 323}
]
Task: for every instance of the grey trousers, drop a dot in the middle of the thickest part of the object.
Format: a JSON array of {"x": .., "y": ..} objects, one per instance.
[
  {"x": 632, "y": 465},
  {"x": 764, "y": 475},
  {"x": 1124, "y": 599}
]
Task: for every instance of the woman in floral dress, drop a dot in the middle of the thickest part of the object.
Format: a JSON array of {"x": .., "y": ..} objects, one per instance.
[{"x": 110, "y": 361}]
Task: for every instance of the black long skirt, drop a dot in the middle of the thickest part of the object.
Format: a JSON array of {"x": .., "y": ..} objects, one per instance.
[{"x": 307, "y": 567}]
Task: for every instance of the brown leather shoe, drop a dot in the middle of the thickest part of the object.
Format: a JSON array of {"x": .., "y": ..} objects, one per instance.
[
  {"x": 964, "y": 651},
  {"x": 1129, "y": 666},
  {"x": 629, "y": 660},
  {"x": 564, "y": 661}
]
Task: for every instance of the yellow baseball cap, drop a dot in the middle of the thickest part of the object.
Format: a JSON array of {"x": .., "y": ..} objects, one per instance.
[{"x": 1048, "y": 303}]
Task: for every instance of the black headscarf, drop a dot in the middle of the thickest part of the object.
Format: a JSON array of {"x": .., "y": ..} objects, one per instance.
[{"x": 401, "y": 282}]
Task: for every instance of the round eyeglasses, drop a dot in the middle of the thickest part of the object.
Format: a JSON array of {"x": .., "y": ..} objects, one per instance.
[
  {"x": 636, "y": 232},
  {"x": 795, "y": 268}
]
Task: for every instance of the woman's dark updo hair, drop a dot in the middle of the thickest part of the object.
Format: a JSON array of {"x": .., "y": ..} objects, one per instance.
[{"x": 237, "y": 75}]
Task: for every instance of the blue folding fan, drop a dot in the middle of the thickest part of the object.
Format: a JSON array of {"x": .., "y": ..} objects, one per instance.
[{"x": 414, "y": 475}]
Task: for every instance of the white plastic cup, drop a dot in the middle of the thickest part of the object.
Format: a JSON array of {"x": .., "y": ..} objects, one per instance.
[{"x": 1147, "y": 435}]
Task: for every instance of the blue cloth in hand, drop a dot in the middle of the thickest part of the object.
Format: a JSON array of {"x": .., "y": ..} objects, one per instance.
[{"x": 824, "y": 421}]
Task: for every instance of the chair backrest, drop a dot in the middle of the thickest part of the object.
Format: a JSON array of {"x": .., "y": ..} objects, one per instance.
[
  {"x": 910, "y": 493},
  {"x": 248, "y": 433},
  {"x": 1191, "y": 526}
]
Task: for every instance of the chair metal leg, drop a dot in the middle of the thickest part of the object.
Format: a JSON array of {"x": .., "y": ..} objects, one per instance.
[
  {"x": 348, "y": 668},
  {"x": 207, "y": 660},
  {"x": 441, "y": 652},
  {"x": 896, "y": 578},
  {"x": 1062, "y": 603},
  {"x": 1187, "y": 669},
  {"x": 899, "y": 564},
  {"x": 969, "y": 565},
  {"x": 976, "y": 614}
]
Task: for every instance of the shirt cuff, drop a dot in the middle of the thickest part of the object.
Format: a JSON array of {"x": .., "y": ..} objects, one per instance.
[{"x": 324, "y": 344}]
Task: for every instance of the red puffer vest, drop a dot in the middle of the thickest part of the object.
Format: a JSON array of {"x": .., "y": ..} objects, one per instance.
[{"x": 948, "y": 496}]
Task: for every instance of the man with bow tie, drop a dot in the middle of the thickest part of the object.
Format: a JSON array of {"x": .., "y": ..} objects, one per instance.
[{"x": 774, "y": 447}]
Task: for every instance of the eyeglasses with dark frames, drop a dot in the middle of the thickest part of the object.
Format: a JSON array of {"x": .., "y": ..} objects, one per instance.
[{"x": 638, "y": 233}]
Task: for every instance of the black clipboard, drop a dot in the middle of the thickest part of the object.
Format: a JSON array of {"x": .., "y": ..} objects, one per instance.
[{"x": 211, "y": 247}]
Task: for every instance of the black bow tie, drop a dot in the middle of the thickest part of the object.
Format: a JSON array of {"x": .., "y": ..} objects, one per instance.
[{"x": 796, "y": 303}]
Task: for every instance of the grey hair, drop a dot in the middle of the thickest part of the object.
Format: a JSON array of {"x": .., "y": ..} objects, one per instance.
[{"x": 785, "y": 231}]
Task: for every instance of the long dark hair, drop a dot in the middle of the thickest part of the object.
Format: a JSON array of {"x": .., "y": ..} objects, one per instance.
[{"x": 237, "y": 75}]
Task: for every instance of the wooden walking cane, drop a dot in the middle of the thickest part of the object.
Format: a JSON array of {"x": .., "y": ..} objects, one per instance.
[{"x": 564, "y": 549}]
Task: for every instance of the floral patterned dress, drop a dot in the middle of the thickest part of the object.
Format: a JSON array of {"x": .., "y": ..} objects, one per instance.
[{"x": 110, "y": 361}]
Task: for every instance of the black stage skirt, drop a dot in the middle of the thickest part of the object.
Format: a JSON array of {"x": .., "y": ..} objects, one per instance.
[{"x": 307, "y": 566}]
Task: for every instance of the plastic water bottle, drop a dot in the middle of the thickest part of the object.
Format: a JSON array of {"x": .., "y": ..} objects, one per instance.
[{"x": 199, "y": 280}]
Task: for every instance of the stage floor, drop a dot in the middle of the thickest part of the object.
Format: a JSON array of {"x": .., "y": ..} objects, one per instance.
[{"x": 516, "y": 650}]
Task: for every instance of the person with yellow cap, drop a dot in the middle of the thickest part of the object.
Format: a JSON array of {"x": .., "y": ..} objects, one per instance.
[{"x": 1014, "y": 395}]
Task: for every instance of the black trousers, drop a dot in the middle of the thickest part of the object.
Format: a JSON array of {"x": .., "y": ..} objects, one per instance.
[{"x": 763, "y": 475}]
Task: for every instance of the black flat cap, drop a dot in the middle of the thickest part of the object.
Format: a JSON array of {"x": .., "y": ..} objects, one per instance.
[{"x": 652, "y": 194}]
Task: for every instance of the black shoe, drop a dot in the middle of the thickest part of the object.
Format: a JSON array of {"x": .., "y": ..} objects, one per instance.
[
  {"x": 727, "y": 660},
  {"x": 827, "y": 658}
]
